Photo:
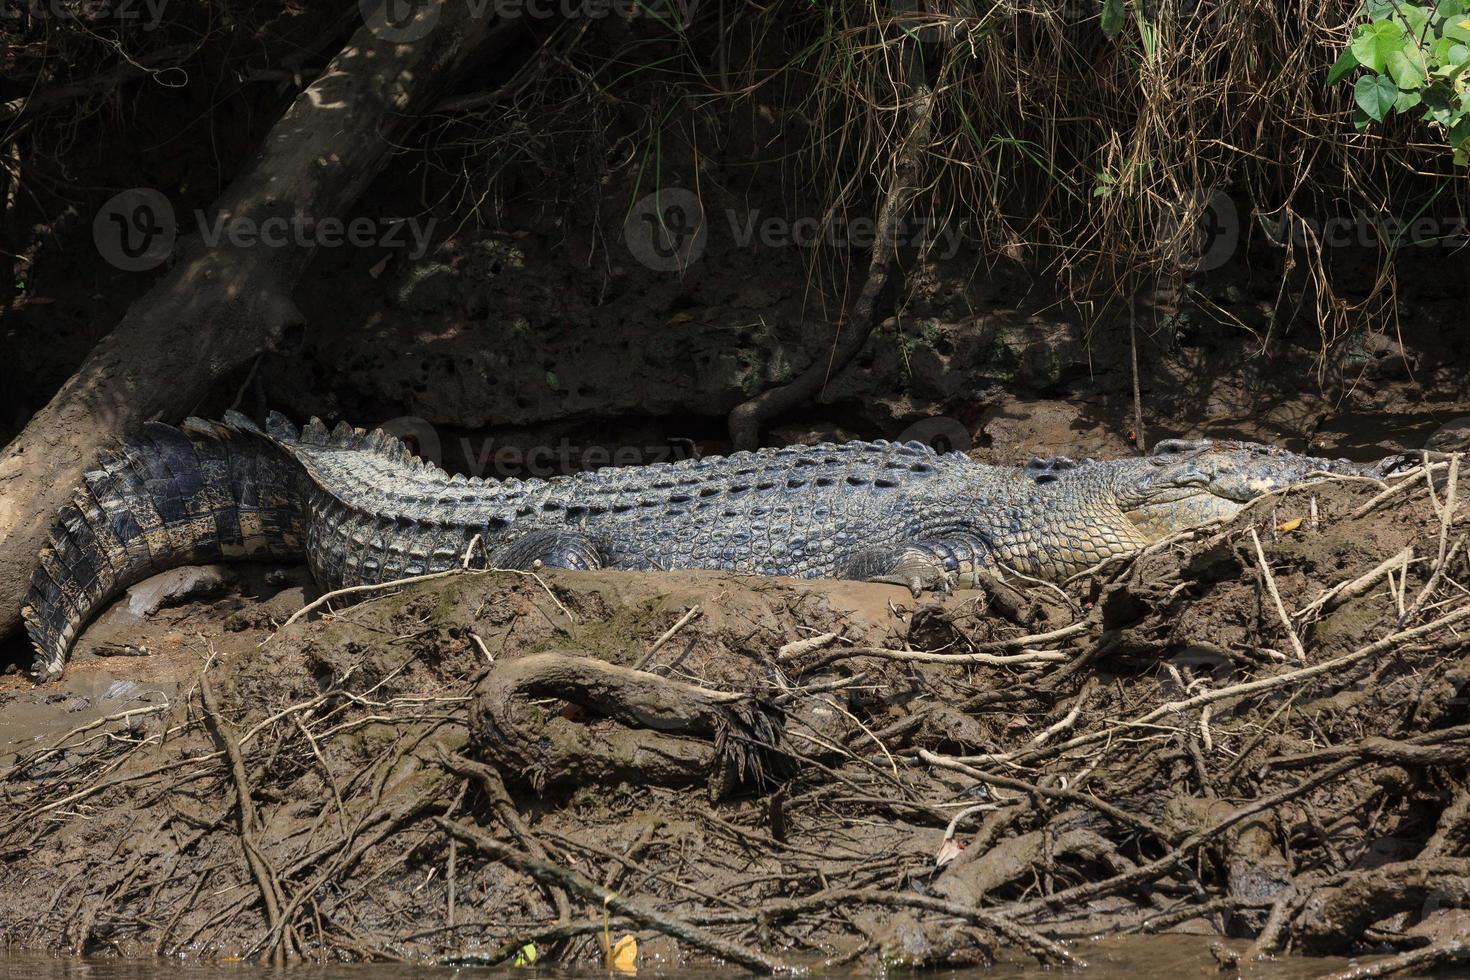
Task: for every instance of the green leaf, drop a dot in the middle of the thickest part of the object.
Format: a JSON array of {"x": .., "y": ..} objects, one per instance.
[
  {"x": 1378, "y": 9},
  {"x": 1407, "y": 101},
  {"x": 1361, "y": 120},
  {"x": 1457, "y": 28},
  {"x": 1407, "y": 69},
  {"x": 1375, "y": 95},
  {"x": 1449, "y": 8},
  {"x": 1413, "y": 19},
  {"x": 1345, "y": 63},
  {"x": 1373, "y": 43},
  {"x": 1462, "y": 156},
  {"x": 1114, "y": 17}
]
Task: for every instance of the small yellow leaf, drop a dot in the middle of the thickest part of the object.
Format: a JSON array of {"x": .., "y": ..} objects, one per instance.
[
  {"x": 623, "y": 957},
  {"x": 1286, "y": 527},
  {"x": 526, "y": 955}
]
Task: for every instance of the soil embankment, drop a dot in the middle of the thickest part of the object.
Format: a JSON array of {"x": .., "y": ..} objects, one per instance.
[{"x": 768, "y": 771}]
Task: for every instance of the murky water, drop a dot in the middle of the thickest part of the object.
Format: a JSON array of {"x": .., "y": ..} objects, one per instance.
[{"x": 1172, "y": 957}]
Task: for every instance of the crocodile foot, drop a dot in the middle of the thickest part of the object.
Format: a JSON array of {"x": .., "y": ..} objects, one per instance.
[
  {"x": 919, "y": 571},
  {"x": 920, "y": 566}
]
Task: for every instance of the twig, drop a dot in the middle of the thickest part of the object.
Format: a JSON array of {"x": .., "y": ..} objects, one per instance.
[
  {"x": 684, "y": 620},
  {"x": 1354, "y": 588},
  {"x": 1296, "y": 644},
  {"x": 1418, "y": 960},
  {"x": 322, "y": 600},
  {"x": 810, "y": 644},
  {"x": 248, "y": 819},
  {"x": 550, "y": 873}
]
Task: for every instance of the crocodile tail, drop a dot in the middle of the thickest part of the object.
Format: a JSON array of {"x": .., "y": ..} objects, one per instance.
[{"x": 209, "y": 491}]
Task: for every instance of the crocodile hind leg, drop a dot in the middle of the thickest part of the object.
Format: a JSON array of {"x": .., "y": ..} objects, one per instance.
[
  {"x": 931, "y": 564},
  {"x": 551, "y": 548}
]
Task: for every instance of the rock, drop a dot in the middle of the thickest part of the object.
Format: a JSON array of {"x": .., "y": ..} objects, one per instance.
[{"x": 145, "y": 598}]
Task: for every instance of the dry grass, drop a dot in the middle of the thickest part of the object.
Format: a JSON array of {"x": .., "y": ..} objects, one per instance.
[{"x": 1091, "y": 160}]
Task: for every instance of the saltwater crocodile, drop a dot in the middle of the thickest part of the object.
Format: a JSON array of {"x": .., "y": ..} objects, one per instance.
[{"x": 362, "y": 509}]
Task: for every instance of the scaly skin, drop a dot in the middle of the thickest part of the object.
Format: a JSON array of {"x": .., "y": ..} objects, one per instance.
[{"x": 360, "y": 510}]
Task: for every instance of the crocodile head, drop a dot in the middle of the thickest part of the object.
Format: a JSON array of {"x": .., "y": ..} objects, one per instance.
[{"x": 1185, "y": 483}]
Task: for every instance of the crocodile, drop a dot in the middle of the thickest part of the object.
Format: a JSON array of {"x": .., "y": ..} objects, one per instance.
[{"x": 362, "y": 509}]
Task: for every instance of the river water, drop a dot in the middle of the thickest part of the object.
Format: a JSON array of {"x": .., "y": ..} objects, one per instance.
[{"x": 1169, "y": 957}]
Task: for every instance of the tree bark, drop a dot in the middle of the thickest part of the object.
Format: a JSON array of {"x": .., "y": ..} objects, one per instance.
[{"x": 220, "y": 305}]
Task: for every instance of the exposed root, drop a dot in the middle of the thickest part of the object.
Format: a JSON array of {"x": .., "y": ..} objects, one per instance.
[{"x": 745, "y": 747}]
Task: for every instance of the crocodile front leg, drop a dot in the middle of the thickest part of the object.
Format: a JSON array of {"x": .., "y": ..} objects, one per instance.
[{"x": 931, "y": 564}]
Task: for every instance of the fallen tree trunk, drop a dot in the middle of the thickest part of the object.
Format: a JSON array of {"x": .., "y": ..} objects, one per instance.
[{"x": 221, "y": 305}]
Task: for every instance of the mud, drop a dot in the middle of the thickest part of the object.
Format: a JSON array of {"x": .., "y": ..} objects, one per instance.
[{"x": 996, "y": 773}]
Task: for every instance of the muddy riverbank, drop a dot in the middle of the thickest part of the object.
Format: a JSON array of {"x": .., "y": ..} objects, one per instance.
[{"x": 770, "y": 772}]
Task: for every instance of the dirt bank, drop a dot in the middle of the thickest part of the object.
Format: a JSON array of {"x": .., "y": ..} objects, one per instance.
[{"x": 485, "y": 760}]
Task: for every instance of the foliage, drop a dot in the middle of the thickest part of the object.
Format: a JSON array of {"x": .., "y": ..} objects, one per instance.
[{"x": 1414, "y": 57}]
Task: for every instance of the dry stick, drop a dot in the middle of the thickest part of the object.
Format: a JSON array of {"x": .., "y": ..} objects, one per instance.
[
  {"x": 549, "y": 873},
  {"x": 684, "y": 620},
  {"x": 1257, "y": 686},
  {"x": 1033, "y": 942},
  {"x": 248, "y": 819},
  {"x": 1406, "y": 482},
  {"x": 494, "y": 788},
  {"x": 810, "y": 644},
  {"x": 1140, "y": 438},
  {"x": 322, "y": 600},
  {"x": 1446, "y": 514},
  {"x": 956, "y": 659},
  {"x": 1296, "y": 644},
  {"x": 1409, "y": 751},
  {"x": 1156, "y": 869},
  {"x": 61, "y": 744},
  {"x": 1035, "y": 639},
  {"x": 1070, "y": 718},
  {"x": 1417, "y": 960},
  {"x": 1118, "y": 816},
  {"x": 1348, "y": 590}
]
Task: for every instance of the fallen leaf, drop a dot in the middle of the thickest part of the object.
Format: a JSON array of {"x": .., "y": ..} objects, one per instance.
[
  {"x": 1286, "y": 527},
  {"x": 948, "y": 851},
  {"x": 526, "y": 956},
  {"x": 623, "y": 957}
]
